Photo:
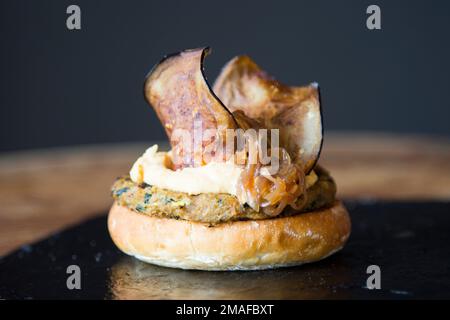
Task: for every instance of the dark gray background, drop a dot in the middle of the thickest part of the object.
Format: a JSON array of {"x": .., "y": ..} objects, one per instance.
[{"x": 61, "y": 87}]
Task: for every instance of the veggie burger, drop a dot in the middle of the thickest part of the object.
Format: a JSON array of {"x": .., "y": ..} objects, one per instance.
[{"x": 240, "y": 187}]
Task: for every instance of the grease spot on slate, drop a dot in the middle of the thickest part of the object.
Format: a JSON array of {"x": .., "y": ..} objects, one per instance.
[
  {"x": 401, "y": 292},
  {"x": 98, "y": 256},
  {"x": 26, "y": 248},
  {"x": 404, "y": 234}
]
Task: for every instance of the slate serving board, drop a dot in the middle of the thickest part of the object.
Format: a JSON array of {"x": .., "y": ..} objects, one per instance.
[{"x": 410, "y": 242}]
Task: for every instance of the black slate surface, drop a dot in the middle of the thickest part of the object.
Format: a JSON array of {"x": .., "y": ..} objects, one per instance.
[{"x": 409, "y": 241}]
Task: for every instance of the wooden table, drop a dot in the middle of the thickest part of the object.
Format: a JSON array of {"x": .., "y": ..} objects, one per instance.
[{"x": 45, "y": 190}]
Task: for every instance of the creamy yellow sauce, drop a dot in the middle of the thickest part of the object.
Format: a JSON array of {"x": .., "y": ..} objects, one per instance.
[
  {"x": 153, "y": 168},
  {"x": 214, "y": 177}
]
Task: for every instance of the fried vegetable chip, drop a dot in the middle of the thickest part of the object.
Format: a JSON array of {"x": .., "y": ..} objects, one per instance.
[
  {"x": 179, "y": 93},
  {"x": 295, "y": 111}
]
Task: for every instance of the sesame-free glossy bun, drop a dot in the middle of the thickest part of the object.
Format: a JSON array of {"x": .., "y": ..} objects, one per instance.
[{"x": 239, "y": 245}]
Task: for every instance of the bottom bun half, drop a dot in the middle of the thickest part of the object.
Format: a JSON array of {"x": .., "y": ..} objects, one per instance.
[{"x": 239, "y": 245}]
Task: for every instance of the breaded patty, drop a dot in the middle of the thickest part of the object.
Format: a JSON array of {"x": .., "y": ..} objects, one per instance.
[{"x": 210, "y": 208}]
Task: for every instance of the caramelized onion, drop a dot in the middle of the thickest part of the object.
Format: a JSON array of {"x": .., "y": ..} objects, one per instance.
[{"x": 273, "y": 192}]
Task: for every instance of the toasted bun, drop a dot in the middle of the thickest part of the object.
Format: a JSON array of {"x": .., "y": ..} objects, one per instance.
[{"x": 240, "y": 245}]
